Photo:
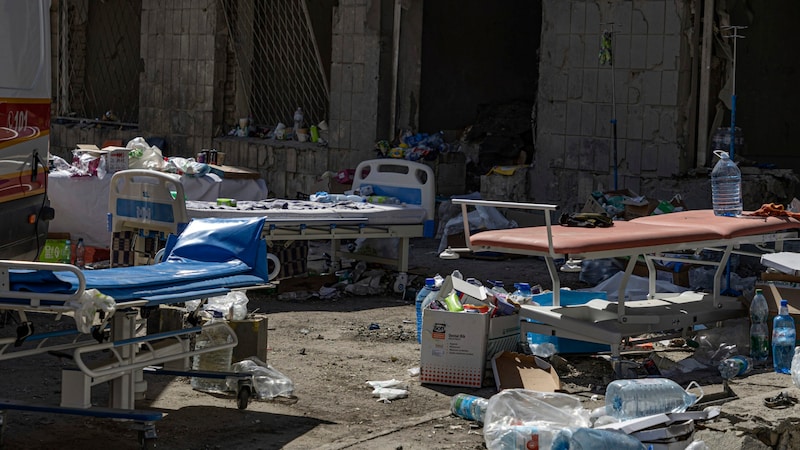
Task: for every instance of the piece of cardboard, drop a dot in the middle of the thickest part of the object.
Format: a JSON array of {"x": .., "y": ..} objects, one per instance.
[
  {"x": 454, "y": 343},
  {"x": 516, "y": 370}
]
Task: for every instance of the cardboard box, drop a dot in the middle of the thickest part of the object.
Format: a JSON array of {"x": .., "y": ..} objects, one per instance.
[
  {"x": 56, "y": 251},
  {"x": 454, "y": 343},
  {"x": 116, "y": 158},
  {"x": 677, "y": 274},
  {"x": 515, "y": 370},
  {"x": 504, "y": 335}
]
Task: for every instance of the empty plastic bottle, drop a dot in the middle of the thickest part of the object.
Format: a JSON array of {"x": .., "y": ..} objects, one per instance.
[
  {"x": 784, "y": 338},
  {"x": 759, "y": 332},
  {"x": 212, "y": 361},
  {"x": 429, "y": 283},
  {"x": 735, "y": 366},
  {"x": 726, "y": 186},
  {"x": 629, "y": 399},
  {"x": 431, "y": 297},
  {"x": 469, "y": 407},
  {"x": 592, "y": 439},
  {"x": 796, "y": 367},
  {"x": 80, "y": 254},
  {"x": 522, "y": 295}
]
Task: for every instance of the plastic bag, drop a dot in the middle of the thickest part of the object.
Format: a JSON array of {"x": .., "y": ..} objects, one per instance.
[
  {"x": 143, "y": 155},
  {"x": 232, "y": 306},
  {"x": 516, "y": 418},
  {"x": 268, "y": 382},
  {"x": 87, "y": 307},
  {"x": 714, "y": 345}
]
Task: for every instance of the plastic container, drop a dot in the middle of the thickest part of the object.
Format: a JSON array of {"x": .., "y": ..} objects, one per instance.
[
  {"x": 80, "y": 254},
  {"x": 784, "y": 338},
  {"x": 629, "y": 399},
  {"x": 429, "y": 283},
  {"x": 213, "y": 361},
  {"x": 431, "y": 298},
  {"x": 298, "y": 120},
  {"x": 452, "y": 303},
  {"x": 726, "y": 186},
  {"x": 592, "y": 439},
  {"x": 796, "y": 367},
  {"x": 759, "y": 332},
  {"x": 522, "y": 295},
  {"x": 735, "y": 366},
  {"x": 469, "y": 407}
]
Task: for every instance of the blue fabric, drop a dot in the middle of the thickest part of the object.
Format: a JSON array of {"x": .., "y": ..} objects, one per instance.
[
  {"x": 209, "y": 253},
  {"x": 218, "y": 240}
]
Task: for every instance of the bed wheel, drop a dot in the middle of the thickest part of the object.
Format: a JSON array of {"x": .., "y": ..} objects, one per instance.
[
  {"x": 401, "y": 282},
  {"x": 147, "y": 437},
  {"x": 243, "y": 397}
]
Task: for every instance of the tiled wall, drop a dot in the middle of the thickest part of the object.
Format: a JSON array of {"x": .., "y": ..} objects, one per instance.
[{"x": 575, "y": 145}]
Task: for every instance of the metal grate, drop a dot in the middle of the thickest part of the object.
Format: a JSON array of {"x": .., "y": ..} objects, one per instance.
[
  {"x": 98, "y": 62},
  {"x": 279, "y": 64}
]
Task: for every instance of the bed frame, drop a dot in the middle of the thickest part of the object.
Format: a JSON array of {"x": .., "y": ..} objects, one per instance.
[
  {"x": 411, "y": 182},
  {"x": 618, "y": 323}
]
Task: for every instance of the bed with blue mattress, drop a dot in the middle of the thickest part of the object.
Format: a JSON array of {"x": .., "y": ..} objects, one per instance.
[{"x": 210, "y": 257}]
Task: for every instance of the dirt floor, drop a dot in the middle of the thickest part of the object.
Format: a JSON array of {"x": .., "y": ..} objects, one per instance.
[{"x": 330, "y": 349}]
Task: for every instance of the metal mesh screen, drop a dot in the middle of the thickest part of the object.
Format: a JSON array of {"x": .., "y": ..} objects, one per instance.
[
  {"x": 98, "y": 60},
  {"x": 279, "y": 65}
]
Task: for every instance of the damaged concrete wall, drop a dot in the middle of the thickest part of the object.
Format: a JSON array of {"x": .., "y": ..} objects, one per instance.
[{"x": 575, "y": 146}]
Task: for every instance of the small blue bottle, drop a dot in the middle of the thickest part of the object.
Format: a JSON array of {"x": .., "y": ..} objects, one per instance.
[
  {"x": 429, "y": 283},
  {"x": 784, "y": 337}
]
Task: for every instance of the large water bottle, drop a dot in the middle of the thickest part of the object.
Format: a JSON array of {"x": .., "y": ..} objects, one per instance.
[
  {"x": 726, "y": 186},
  {"x": 213, "y": 361},
  {"x": 469, "y": 407},
  {"x": 629, "y": 399},
  {"x": 784, "y": 337},
  {"x": 522, "y": 295},
  {"x": 759, "y": 332},
  {"x": 595, "y": 439},
  {"x": 431, "y": 297},
  {"x": 429, "y": 283}
]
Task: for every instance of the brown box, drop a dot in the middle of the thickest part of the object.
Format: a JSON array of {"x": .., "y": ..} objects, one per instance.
[
  {"x": 633, "y": 211},
  {"x": 252, "y": 335},
  {"x": 775, "y": 291},
  {"x": 678, "y": 277}
]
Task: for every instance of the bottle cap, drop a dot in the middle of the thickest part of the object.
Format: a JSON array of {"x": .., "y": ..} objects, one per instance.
[
  {"x": 784, "y": 303},
  {"x": 430, "y": 281}
]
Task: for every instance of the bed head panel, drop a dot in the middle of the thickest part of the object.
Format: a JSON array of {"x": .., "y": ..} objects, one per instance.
[
  {"x": 144, "y": 199},
  {"x": 411, "y": 182}
]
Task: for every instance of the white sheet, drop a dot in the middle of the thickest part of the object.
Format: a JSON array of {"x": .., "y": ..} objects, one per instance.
[
  {"x": 81, "y": 203},
  {"x": 300, "y": 210}
]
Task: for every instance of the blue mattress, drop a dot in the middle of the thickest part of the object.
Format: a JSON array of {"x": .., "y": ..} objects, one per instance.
[{"x": 209, "y": 254}]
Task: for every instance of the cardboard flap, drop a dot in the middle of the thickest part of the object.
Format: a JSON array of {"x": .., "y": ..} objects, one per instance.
[{"x": 515, "y": 370}]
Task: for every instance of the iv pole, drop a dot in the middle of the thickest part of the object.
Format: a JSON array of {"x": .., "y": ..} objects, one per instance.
[
  {"x": 606, "y": 55},
  {"x": 735, "y": 36}
]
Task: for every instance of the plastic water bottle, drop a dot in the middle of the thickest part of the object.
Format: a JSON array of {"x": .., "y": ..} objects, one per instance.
[
  {"x": 298, "y": 120},
  {"x": 469, "y": 407},
  {"x": 629, "y": 399},
  {"x": 592, "y": 439},
  {"x": 431, "y": 297},
  {"x": 213, "y": 361},
  {"x": 522, "y": 295},
  {"x": 784, "y": 337},
  {"x": 429, "y": 283},
  {"x": 80, "y": 254},
  {"x": 726, "y": 186},
  {"x": 759, "y": 332},
  {"x": 735, "y": 366},
  {"x": 796, "y": 367}
]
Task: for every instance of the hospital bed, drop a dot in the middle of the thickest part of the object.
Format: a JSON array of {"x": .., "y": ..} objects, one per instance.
[
  {"x": 108, "y": 344},
  {"x": 652, "y": 238},
  {"x": 288, "y": 220}
]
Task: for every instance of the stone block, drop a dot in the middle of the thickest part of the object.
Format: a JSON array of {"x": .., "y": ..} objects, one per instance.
[{"x": 513, "y": 188}]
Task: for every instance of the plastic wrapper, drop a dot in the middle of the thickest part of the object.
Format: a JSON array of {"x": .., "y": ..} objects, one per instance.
[
  {"x": 87, "y": 307},
  {"x": 517, "y": 418},
  {"x": 143, "y": 155},
  {"x": 232, "y": 306}
]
